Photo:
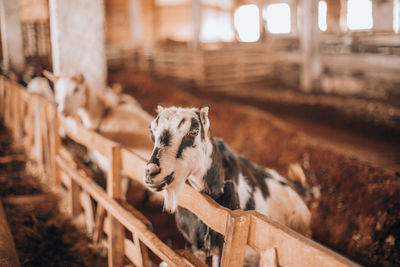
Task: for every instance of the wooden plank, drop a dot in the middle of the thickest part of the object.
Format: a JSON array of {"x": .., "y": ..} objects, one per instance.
[
  {"x": 53, "y": 143},
  {"x": 27, "y": 199},
  {"x": 2, "y": 95},
  {"x": 293, "y": 249},
  {"x": 117, "y": 234},
  {"x": 74, "y": 198},
  {"x": 8, "y": 252},
  {"x": 268, "y": 258},
  {"x": 65, "y": 179},
  {"x": 29, "y": 127},
  {"x": 365, "y": 62},
  {"x": 87, "y": 206},
  {"x": 191, "y": 258},
  {"x": 235, "y": 239},
  {"x": 90, "y": 139},
  {"x": 132, "y": 251},
  {"x": 125, "y": 217},
  {"x": 10, "y": 158},
  {"x": 206, "y": 209},
  {"x": 56, "y": 149},
  {"x": 133, "y": 165},
  {"x": 99, "y": 223}
]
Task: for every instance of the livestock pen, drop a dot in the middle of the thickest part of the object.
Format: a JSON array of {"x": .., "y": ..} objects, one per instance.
[{"x": 276, "y": 244}]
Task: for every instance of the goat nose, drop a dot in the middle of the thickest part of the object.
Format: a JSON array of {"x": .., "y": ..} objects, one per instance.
[{"x": 152, "y": 170}]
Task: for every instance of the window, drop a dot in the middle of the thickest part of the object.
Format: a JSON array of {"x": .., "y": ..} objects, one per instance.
[
  {"x": 247, "y": 23},
  {"x": 359, "y": 14},
  {"x": 322, "y": 12},
  {"x": 278, "y": 18},
  {"x": 216, "y": 26}
]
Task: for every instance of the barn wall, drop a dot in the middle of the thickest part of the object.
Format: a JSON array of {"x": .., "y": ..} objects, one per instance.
[
  {"x": 358, "y": 63},
  {"x": 77, "y": 38},
  {"x": 118, "y": 30},
  {"x": 12, "y": 44},
  {"x": 175, "y": 23}
]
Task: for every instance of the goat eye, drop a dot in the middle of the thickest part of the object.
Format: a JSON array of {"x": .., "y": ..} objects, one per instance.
[{"x": 194, "y": 132}]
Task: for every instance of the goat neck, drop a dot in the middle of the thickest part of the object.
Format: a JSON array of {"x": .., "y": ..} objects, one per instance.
[
  {"x": 92, "y": 112},
  {"x": 210, "y": 176}
]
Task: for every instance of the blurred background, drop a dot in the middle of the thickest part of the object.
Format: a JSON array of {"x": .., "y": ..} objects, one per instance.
[{"x": 315, "y": 82}]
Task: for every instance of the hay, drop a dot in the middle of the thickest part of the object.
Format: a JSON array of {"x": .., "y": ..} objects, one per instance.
[{"x": 43, "y": 235}]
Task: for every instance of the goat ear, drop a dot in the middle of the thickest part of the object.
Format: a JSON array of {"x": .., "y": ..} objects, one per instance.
[
  {"x": 49, "y": 75},
  {"x": 204, "y": 116},
  {"x": 159, "y": 109},
  {"x": 79, "y": 78}
]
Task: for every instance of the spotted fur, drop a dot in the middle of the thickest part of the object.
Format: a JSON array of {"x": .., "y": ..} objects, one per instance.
[{"x": 212, "y": 167}]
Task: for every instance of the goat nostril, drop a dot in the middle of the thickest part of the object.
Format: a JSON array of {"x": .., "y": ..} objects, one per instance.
[
  {"x": 151, "y": 171},
  {"x": 155, "y": 173}
]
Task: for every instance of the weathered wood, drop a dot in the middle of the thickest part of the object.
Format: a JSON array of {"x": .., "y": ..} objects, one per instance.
[
  {"x": 268, "y": 258},
  {"x": 190, "y": 257},
  {"x": 53, "y": 142},
  {"x": 125, "y": 217},
  {"x": 292, "y": 248},
  {"x": 8, "y": 252},
  {"x": 133, "y": 249},
  {"x": 117, "y": 235},
  {"x": 26, "y": 199},
  {"x": 310, "y": 66},
  {"x": 206, "y": 209},
  {"x": 87, "y": 206},
  {"x": 235, "y": 239},
  {"x": 99, "y": 224},
  {"x": 11, "y": 158},
  {"x": 74, "y": 199},
  {"x": 141, "y": 250},
  {"x": 92, "y": 140}
]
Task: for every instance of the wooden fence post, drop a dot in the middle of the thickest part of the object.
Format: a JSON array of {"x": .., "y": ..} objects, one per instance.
[
  {"x": 235, "y": 239},
  {"x": 2, "y": 100},
  {"x": 74, "y": 198},
  {"x": 117, "y": 234},
  {"x": 57, "y": 147},
  {"x": 54, "y": 145}
]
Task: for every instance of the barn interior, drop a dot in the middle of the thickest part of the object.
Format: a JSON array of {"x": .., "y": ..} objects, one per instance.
[{"x": 287, "y": 81}]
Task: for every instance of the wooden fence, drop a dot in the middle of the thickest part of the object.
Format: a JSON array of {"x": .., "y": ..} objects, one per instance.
[
  {"x": 230, "y": 64},
  {"x": 276, "y": 244}
]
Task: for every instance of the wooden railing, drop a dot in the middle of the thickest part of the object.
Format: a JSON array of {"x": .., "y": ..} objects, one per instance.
[{"x": 276, "y": 244}]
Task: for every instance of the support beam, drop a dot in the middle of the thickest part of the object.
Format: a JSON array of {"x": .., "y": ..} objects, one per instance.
[
  {"x": 196, "y": 16},
  {"x": 77, "y": 39},
  {"x": 261, "y": 21},
  {"x": 136, "y": 21},
  {"x": 309, "y": 42},
  {"x": 333, "y": 16},
  {"x": 294, "y": 17},
  {"x": 396, "y": 16},
  {"x": 11, "y": 36},
  {"x": 382, "y": 14}
]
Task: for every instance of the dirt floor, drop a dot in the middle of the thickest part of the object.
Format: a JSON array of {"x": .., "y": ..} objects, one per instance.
[
  {"x": 356, "y": 204},
  {"x": 42, "y": 234}
]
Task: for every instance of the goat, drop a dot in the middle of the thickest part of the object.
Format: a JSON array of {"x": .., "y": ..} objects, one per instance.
[
  {"x": 40, "y": 86},
  {"x": 184, "y": 150},
  {"x": 119, "y": 118}
]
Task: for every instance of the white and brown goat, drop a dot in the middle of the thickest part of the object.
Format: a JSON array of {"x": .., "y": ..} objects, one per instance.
[
  {"x": 116, "y": 116},
  {"x": 184, "y": 150}
]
